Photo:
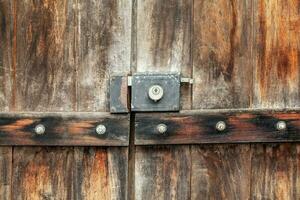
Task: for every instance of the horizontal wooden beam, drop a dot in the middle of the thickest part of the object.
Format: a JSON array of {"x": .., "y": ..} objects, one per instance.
[
  {"x": 198, "y": 127},
  {"x": 64, "y": 129}
]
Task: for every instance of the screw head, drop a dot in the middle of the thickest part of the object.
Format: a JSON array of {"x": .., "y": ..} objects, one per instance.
[
  {"x": 161, "y": 128},
  {"x": 281, "y": 125},
  {"x": 155, "y": 92},
  {"x": 39, "y": 129},
  {"x": 221, "y": 126},
  {"x": 100, "y": 129}
]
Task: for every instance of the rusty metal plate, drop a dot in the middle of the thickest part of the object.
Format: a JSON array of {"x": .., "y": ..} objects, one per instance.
[{"x": 155, "y": 92}]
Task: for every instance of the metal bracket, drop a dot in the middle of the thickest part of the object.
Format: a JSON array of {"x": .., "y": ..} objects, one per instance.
[{"x": 150, "y": 92}]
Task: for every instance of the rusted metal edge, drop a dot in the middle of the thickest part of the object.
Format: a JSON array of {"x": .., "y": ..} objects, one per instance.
[
  {"x": 207, "y": 126},
  {"x": 64, "y": 129}
]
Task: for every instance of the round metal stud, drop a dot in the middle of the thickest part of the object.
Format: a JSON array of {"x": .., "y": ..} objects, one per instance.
[
  {"x": 281, "y": 125},
  {"x": 40, "y": 129},
  {"x": 100, "y": 129},
  {"x": 162, "y": 128},
  {"x": 155, "y": 92},
  {"x": 221, "y": 126}
]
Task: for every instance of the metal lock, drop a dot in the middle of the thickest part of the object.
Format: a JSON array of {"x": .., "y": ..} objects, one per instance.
[{"x": 155, "y": 92}]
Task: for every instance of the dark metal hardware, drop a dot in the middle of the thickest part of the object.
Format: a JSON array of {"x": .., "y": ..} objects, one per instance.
[{"x": 150, "y": 92}]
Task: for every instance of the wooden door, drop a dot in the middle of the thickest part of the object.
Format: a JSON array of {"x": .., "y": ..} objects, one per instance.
[{"x": 58, "y": 55}]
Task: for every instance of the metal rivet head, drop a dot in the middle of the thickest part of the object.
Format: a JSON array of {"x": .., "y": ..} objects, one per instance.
[
  {"x": 155, "y": 92},
  {"x": 281, "y": 126},
  {"x": 162, "y": 128},
  {"x": 221, "y": 126},
  {"x": 100, "y": 129},
  {"x": 40, "y": 129}
]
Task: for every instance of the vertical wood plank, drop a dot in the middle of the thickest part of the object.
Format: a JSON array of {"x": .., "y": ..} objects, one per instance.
[
  {"x": 42, "y": 173},
  {"x": 104, "y": 48},
  {"x": 221, "y": 172},
  {"x": 162, "y": 172},
  {"x": 275, "y": 171},
  {"x": 6, "y": 24},
  {"x": 163, "y": 45},
  {"x": 222, "y": 56},
  {"x": 276, "y": 51},
  {"x": 45, "y": 70},
  {"x": 223, "y": 72},
  {"x": 275, "y": 168},
  {"x": 45, "y": 81}
]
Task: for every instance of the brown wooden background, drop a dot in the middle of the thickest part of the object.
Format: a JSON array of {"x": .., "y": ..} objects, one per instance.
[{"x": 57, "y": 55}]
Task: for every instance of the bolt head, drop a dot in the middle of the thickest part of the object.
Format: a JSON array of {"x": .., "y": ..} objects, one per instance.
[
  {"x": 155, "y": 92},
  {"x": 281, "y": 125},
  {"x": 100, "y": 129},
  {"x": 40, "y": 129},
  {"x": 221, "y": 126},
  {"x": 162, "y": 128}
]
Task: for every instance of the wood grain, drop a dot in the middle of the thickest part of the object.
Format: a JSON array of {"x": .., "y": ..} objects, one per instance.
[
  {"x": 6, "y": 96},
  {"x": 221, "y": 172},
  {"x": 162, "y": 172},
  {"x": 163, "y": 39},
  {"x": 222, "y": 55},
  {"x": 63, "y": 129},
  {"x": 276, "y": 51},
  {"x": 103, "y": 49},
  {"x": 223, "y": 75},
  {"x": 42, "y": 173},
  {"x": 100, "y": 173},
  {"x": 198, "y": 127},
  {"x": 275, "y": 171}
]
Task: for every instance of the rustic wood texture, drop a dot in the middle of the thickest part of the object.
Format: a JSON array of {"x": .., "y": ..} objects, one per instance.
[
  {"x": 275, "y": 171},
  {"x": 163, "y": 39},
  {"x": 64, "y": 129},
  {"x": 276, "y": 60},
  {"x": 6, "y": 65},
  {"x": 42, "y": 173},
  {"x": 221, "y": 172},
  {"x": 199, "y": 127},
  {"x": 100, "y": 173},
  {"x": 103, "y": 49},
  {"x": 223, "y": 74},
  {"x": 64, "y": 53},
  {"x": 162, "y": 173}
]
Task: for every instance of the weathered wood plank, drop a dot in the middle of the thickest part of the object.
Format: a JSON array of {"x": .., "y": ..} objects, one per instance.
[
  {"x": 104, "y": 42},
  {"x": 103, "y": 49},
  {"x": 163, "y": 39},
  {"x": 162, "y": 173},
  {"x": 276, "y": 60},
  {"x": 64, "y": 129},
  {"x": 100, "y": 173},
  {"x": 45, "y": 73},
  {"x": 42, "y": 173},
  {"x": 275, "y": 171},
  {"x": 222, "y": 55},
  {"x": 45, "y": 81},
  {"x": 6, "y": 96},
  {"x": 197, "y": 127},
  {"x": 221, "y": 172},
  {"x": 223, "y": 72}
]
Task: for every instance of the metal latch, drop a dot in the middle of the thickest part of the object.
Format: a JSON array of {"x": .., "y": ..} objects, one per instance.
[{"x": 150, "y": 92}]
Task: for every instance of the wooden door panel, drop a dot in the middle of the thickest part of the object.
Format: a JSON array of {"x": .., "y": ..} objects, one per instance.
[
  {"x": 163, "y": 31},
  {"x": 57, "y": 56}
]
